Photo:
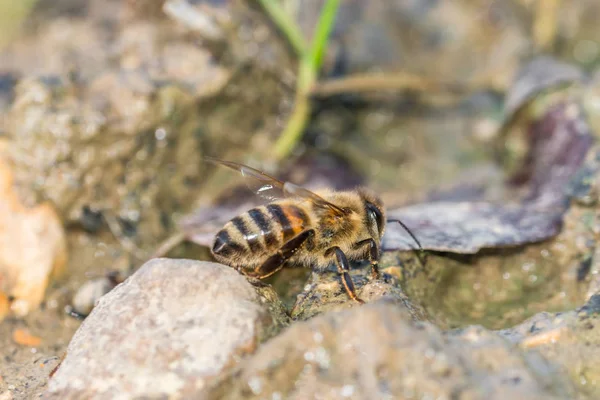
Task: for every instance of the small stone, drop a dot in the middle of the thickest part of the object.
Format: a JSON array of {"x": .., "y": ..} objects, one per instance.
[
  {"x": 170, "y": 327},
  {"x": 6, "y": 396},
  {"x": 89, "y": 293}
]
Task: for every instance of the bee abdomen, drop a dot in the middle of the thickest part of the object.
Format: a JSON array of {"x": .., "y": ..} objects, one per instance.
[
  {"x": 260, "y": 230},
  {"x": 291, "y": 220},
  {"x": 249, "y": 235},
  {"x": 251, "y": 232},
  {"x": 224, "y": 246},
  {"x": 262, "y": 221}
]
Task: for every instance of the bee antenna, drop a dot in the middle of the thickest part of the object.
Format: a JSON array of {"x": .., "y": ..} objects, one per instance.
[{"x": 409, "y": 232}]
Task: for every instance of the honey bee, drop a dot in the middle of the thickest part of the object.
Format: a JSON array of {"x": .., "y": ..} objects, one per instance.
[{"x": 300, "y": 228}]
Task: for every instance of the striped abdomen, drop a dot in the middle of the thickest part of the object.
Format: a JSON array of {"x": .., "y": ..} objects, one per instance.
[{"x": 262, "y": 230}]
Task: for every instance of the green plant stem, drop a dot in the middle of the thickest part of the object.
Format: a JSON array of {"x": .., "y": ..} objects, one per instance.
[
  {"x": 287, "y": 25},
  {"x": 309, "y": 65},
  {"x": 302, "y": 108},
  {"x": 322, "y": 31},
  {"x": 294, "y": 128}
]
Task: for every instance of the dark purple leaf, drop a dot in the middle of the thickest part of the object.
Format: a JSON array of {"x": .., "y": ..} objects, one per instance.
[{"x": 469, "y": 227}]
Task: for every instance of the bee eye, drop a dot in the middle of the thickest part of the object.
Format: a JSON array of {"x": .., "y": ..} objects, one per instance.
[{"x": 375, "y": 216}]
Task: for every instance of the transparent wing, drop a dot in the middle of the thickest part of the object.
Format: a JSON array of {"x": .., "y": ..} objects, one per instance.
[{"x": 272, "y": 188}]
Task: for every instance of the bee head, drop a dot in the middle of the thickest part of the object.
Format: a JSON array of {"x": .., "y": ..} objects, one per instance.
[{"x": 374, "y": 212}]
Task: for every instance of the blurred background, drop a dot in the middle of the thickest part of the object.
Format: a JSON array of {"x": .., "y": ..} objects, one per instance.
[{"x": 107, "y": 108}]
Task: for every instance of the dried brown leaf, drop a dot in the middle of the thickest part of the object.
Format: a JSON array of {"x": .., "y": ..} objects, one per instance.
[
  {"x": 25, "y": 338},
  {"x": 37, "y": 229}
]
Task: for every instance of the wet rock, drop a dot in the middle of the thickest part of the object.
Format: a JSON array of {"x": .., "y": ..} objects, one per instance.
[
  {"x": 166, "y": 331},
  {"x": 83, "y": 161},
  {"x": 570, "y": 340},
  {"x": 377, "y": 351},
  {"x": 32, "y": 247}
]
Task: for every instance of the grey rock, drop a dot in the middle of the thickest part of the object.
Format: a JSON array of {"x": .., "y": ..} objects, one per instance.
[
  {"x": 165, "y": 331},
  {"x": 377, "y": 352},
  {"x": 570, "y": 340}
]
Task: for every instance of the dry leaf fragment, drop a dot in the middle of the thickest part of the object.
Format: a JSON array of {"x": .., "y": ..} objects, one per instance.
[
  {"x": 25, "y": 338},
  {"x": 544, "y": 338},
  {"x": 4, "y": 306},
  {"x": 32, "y": 246}
]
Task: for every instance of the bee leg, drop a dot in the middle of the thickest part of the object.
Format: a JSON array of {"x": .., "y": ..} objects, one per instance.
[
  {"x": 373, "y": 256},
  {"x": 343, "y": 267},
  {"x": 277, "y": 260},
  {"x": 256, "y": 282}
]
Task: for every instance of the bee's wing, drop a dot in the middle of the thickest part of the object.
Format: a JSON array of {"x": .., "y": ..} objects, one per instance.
[
  {"x": 292, "y": 190},
  {"x": 272, "y": 188}
]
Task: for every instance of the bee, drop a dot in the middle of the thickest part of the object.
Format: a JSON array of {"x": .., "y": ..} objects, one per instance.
[{"x": 299, "y": 228}]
